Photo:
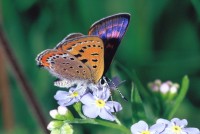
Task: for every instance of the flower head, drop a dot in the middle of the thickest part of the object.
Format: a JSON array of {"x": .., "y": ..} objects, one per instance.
[
  {"x": 97, "y": 104},
  {"x": 142, "y": 128},
  {"x": 164, "y": 87},
  {"x": 65, "y": 98},
  {"x": 177, "y": 126}
]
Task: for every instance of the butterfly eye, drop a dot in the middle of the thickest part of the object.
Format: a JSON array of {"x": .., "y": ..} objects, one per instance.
[{"x": 102, "y": 81}]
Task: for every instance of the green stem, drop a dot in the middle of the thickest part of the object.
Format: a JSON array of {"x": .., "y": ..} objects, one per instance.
[
  {"x": 118, "y": 121},
  {"x": 102, "y": 123}
]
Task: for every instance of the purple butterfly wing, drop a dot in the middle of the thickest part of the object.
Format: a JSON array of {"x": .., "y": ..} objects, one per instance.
[{"x": 111, "y": 30}]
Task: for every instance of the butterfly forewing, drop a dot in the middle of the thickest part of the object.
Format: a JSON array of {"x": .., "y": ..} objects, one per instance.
[
  {"x": 111, "y": 30},
  {"x": 64, "y": 65},
  {"x": 89, "y": 50}
]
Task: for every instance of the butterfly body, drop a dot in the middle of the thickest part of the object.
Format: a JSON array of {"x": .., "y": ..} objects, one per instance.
[{"x": 83, "y": 59}]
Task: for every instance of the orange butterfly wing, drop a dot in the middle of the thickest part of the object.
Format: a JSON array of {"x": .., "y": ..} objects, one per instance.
[{"x": 89, "y": 50}]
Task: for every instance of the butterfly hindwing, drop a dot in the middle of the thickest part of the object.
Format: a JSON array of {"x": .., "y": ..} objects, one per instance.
[
  {"x": 111, "y": 30},
  {"x": 63, "y": 65}
]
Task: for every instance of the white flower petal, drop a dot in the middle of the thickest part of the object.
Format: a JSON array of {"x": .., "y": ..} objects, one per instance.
[
  {"x": 114, "y": 106},
  {"x": 181, "y": 123},
  {"x": 104, "y": 114},
  {"x": 103, "y": 93},
  {"x": 164, "y": 88},
  {"x": 53, "y": 113},
  {"x": 139, "y": 127},
  {"x": 67, "y": 102},
  {"x": 61, "y": 95},
  {"x": 163, "y": 121},
  {"x": 90, "y": 111},
  {"x": 157, "y": 128},
  {"x": 191, "y": 130},
  {"x": 88, "y": 99},
  {"x": 62, "y": 110}
]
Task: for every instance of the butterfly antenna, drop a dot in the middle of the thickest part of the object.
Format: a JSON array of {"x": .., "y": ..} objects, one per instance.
[{"x": 122, "y": 96}]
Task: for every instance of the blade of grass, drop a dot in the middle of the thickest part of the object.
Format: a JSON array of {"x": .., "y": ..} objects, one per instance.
[{"x": 171, "y": 109}]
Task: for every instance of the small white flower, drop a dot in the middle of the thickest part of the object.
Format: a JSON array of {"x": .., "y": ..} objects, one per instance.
[
  {"x": 97, "y": 104},
  {"x": 142, "y": 128},
  {"x": 53, "y": 113},
  {"x": 65, "y": 98},
  {"x": 62, "y": 110},
  {"x": 164, "y": 88},
  {"x": 54, "y": 125},
  {"x": 177, "y": 126}
]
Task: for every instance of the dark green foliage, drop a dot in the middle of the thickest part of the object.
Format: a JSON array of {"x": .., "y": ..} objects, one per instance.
[{"x": 162, "y": 41}]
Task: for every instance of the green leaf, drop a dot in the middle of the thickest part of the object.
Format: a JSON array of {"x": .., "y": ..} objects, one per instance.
[
  {"x": 77, "y": 107},
  {"x": 137, "y": 105},
  {"x": 171, "y": 109},
  {"x": 147, "y": 97}
]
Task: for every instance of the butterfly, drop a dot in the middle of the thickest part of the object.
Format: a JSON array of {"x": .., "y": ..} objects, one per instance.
[{"x": 82, "y": 58}]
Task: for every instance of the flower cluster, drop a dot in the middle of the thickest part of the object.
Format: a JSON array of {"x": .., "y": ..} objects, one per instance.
[
  {"x": 164, "y": 87},
  {"x": 94, "y": 97},
  {"x": 58, "y": 125},
  {"x": 163, "y": 126}
]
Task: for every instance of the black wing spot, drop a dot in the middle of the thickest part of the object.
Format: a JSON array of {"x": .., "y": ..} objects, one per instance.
[
  {"x": 84, "y": 60},
  {"x": 78, "y": 55},
  {"x": 73, "y": 44},
  {"x": 89, "y": 45},
  {"x": 65, "y": 57},
  {"x": 80, "y": 66},
  {"x": 94, "y": 54},
  {"x": 99, "y": 46},
  {"x": 84, "y": 47},
  {"x": 84, "y": 71},
  {"x": 70, "y": 48},
  {"x": 77, "y": 71},
  {"x": 71, "y": 58},
  {"x": 57, "y": 56},
  {"x": 64, "y": 69},
  {"x": 71, "y": 67},
  {"x": 95, "y": 60},
  {"x": 52, "y": 62},
  {"x": 95, "y": 66},
  {"x": 94, "y": 45},
  {"x": 81, "y": 51}
]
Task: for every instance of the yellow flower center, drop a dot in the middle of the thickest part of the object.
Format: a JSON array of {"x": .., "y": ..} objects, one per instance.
[
  {"x": 145, "y": 132},
  {"x": 100, "y": 103},
  {"x": 74, "y": 94},
  {"x": 176, "y": 129}
]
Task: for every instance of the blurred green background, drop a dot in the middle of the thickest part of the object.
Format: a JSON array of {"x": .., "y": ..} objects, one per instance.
[{"x": 162, "y": 41}]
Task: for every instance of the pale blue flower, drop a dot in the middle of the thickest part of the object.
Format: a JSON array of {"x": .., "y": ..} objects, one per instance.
[
  {"x": 97, "y": 104},
  {"x": 142, "y": 128},
  {"x": 177, "y": 126},
  {"x": 65, "y": 98}
]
